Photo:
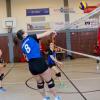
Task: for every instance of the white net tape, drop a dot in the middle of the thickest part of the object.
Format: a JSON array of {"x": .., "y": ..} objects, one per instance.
[{"x": 82, "y": 54}]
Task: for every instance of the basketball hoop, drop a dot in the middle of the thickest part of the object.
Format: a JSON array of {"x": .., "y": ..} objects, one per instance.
[{"x": 9, "y": 22}]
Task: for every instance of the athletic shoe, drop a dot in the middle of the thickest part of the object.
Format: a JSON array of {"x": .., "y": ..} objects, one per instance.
[
  {"x": 58, "y": 98},
  {"x": 62, "y": 85},
  {"x": 46, "y": 98},
  {"x": 2, "y": 89},
  {"x": 97, "y": 67}
]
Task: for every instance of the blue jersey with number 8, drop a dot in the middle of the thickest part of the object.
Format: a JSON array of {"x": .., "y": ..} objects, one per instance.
[{"x": 31, "y": 48}]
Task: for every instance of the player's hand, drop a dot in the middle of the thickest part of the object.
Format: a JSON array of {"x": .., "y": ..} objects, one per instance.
[
  {"x": 60, "y": 64},
  {"x": 4, "y": 65},
  {"x": 54, "y": 33}
]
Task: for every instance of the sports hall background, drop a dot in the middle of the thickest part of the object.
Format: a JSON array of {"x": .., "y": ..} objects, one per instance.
[{"x": 80, "y": 41}]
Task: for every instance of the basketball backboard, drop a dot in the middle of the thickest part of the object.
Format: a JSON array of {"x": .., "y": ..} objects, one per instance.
[{"x": 9, "y": 22}]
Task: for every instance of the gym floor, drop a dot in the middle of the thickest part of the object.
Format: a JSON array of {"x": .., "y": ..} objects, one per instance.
[{"x": 81, "y": 81}]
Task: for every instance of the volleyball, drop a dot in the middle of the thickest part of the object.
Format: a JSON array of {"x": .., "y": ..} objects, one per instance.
[{"x": 83, "y": 5}]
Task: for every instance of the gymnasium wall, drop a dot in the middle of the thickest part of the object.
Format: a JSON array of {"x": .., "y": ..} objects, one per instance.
[
  {"x": 2, "y": 14},
  {"x": 83, "y": 42},
  {"x": 19, "y": 11}
]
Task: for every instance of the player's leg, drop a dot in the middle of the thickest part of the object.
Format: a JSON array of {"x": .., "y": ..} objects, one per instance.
[
  {"x": 50, "y": 82},
  {"x": 57, "y": 73},
  {"x": 37, "y": 67},
  {"x": 40, "y": 84},
  {"x": 97, "y": 65}
]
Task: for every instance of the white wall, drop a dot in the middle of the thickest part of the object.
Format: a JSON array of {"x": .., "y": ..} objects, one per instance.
[
  {"x": 19, "y": 10},
  {"x": 2, "y": 14},
  {"x": 74, "y": 4}
]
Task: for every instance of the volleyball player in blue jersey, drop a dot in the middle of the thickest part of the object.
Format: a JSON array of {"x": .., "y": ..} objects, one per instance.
[
  {"x": 53, "y": 62},
  {"x": 37, "y": 64}
]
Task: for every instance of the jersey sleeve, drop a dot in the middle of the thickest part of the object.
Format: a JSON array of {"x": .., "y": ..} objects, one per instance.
[
  {"x": 1, "y": 60},
  {"x": 35, "y": 37},
  {"x": 50, "y": 52}
]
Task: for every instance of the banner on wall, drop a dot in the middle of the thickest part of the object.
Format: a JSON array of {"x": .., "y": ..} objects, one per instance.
[
  {"x": 36, "y": 12},
  {"x": 89, "y": 9},
  {"x": 64, "y": 10},
  {"x": 58, "y": 25},
  {"x": 38, "y": 26}
]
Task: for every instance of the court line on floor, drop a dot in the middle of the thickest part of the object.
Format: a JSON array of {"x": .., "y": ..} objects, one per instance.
[
  {"x": 12, "y": 66},
  {"x": 55, "y": 80},
  {"x": 31, "y": 87},
  {"x": 13, "y": 83},
  {"x": 78, "y": 79},
  {"x": 81, "y": 94}
]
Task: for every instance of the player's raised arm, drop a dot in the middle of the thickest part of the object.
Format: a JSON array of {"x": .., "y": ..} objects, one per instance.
[{"x": 45, "y": 33}]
